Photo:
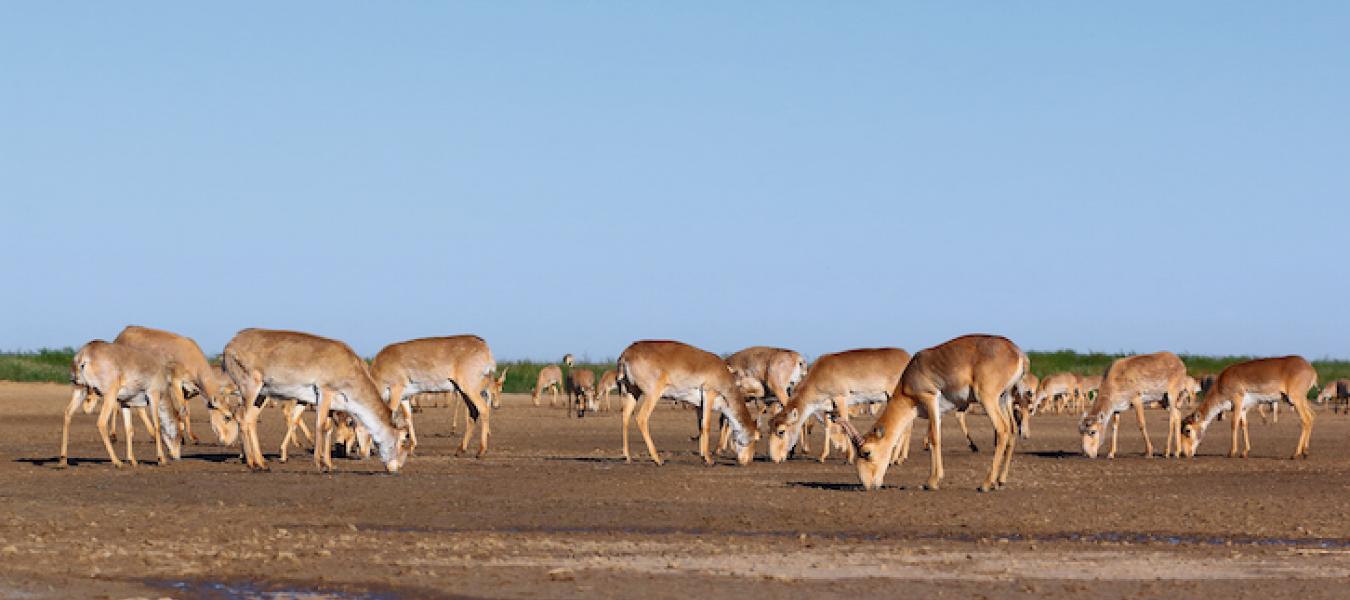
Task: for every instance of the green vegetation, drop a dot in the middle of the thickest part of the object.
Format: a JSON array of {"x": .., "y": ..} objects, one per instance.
[
  {"x": 54, "y": 365},
  {"x": 43, "y": 365}
]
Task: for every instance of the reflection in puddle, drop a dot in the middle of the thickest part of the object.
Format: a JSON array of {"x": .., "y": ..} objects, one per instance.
[{"x": 244, "y": 590}]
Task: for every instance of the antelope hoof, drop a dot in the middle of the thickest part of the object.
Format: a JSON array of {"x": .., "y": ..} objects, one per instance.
[
  {"x": 62, "y": 464},
  {"x": 117, "y": 464},
  {"x": 985, "y": 488},
  {"x": 931, "y": 486},
  {"x": 481, "y": 453}
]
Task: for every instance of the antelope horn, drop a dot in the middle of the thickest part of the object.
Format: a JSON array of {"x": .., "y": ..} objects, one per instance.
[{"x": 851, "y": 432}]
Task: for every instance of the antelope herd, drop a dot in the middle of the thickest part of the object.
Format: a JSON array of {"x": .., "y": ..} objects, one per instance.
[{"x": 370, "y": 406}]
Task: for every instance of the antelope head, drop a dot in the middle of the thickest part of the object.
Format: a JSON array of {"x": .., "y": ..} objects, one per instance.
[
  {"x": 1093, "y": 429},
  {"x": 1191, "y": 432},
  {"x": 873, "y": 459},
  {"x": 785, "y": 430}
]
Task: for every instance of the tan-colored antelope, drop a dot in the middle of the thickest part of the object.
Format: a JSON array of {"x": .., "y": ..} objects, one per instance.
[
  {"x": 196, "y": 377},
  {"x": 1336, "y": 393},
  {"x": 1247, "y": 384},
  {"x": 1022, "y": 404},
  {"x": 835, "y": 382},
  {"x": 1059, "y": 389},
  {"x": 551, "y": 379},
  {"x": 460, "y": 364},
  {"x": 581, "y": 390},
  {"x": 312, "y": 370},
  {"x": 650, "y": 370},
  {"x": 1088, "y": 387},
  {"x": 609, "y": 381},
  {"x": 1136, "y": 381},
  {"x": 124, "y": 377},
  {"x": 972, "y": 368},
  {"x": 766, "y": 374}
]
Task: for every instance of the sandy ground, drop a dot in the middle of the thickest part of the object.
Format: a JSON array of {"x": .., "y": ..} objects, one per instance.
[{"x": 552, "y": 512}]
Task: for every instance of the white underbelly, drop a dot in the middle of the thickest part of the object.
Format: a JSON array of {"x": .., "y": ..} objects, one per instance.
[
  {"x": 692, "y": 396},
  {"x": 420, "y": 387},
  {"x": 1251, "y": 399},
  {"x": 306, "y": 393},
  {"x": 867, "y": 398}
]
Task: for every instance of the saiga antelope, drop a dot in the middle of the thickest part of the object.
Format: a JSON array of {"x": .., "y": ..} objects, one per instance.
[
  {"x": 580, "y": 390},
  {"x": 460, "y": 364},
  {"x": 835, "y": 381},
  {"x": 972, "y": 368},
  {"x": 1136, "y": 381},
  {"x": 194, "y": 376},
  {"x": 609, "y": 381},
  {"x": 767, "y": 374},
  {"x": 651, "y": 370},
  {"x": 124, "y": 377},
  {"x": 313, "y": 370},
  {"x": 1244, "y": 385},
  {"x": 550, "y": 378},
  {"x": 1337, "y": 393}
]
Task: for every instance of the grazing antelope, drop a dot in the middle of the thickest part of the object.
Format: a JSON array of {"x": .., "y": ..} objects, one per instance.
[
  {"x": 609, "y": 380},
  {"x": 767, "y": 374},
  {"x": 1022, "y": 405},
  {"x": 550, "y": 378},
  {"x": 651, "y": 370},
  {"x": 1060, "y": 389},
  {"x": 312, "y": 370},
  {"x": 581, "y": 390},
  {"x": 460, "y": 364},
  {"x": 972, "y": 368},
  {"x": 1136, "y": 381},
  {"x": 194, "y": 377},
  {"x": 1243, "y": 385},
  {"x": 124, "y": 377},
  {"x": 1337, "y": 393},
  {"x": 835, "y": 381}
]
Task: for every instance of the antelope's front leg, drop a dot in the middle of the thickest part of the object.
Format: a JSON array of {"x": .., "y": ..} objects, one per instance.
[
  {"x": 1143, "y": 430},
  {"x": 77, "y": 397},
  {"x": 104, "y": 416},
  {"x": 1238, "y": 416},
  {"x": 126, "y": 424},
  {"x": 1115, "y": 434},
  {"x": 321, "y": 428},
  {"x": 704, "y": 429}
]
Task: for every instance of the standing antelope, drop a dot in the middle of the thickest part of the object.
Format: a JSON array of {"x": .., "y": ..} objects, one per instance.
[
  {"x": 1244, "y": 385},
  {"x": 835, "y": 381},
  {"x": 1022, "y": 404},
  {"x": 581, "y": 390},
  {"x": 460, "y": 364},
  {"x": 194, "y": 376},
  {"x": 1059, "y": 389},
  {"x": 651, "y": 370},
  {"x": 550, "y": 378},
  {"x": 767, "y": 374},
  {"x": 124, "y": 377},
  {"x": 313, "y": 370},
  {"x": 609, "y": 380},
  {"x": 1336, "y": 392},
  {"x": 1136, "y": 381},
  {"x": 971, "y": 368}
]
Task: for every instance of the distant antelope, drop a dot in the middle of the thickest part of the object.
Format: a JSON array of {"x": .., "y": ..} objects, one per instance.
[
  {"x": 1136, "y": 381},
  {"x": 1088, "y": 386},
  {"x": 972, "y": 368},
  {"x": 312, "y": 370},
  {"x": 767, "y": 374},
  {"x": 1022, "y": 404},
  {"x": 125, "y": 377},
  {"x": 835, "y": 381},
  {"x": 581, "y": 391},
  {"x": 1336, "y": 393},
  {"x": 651, "y": 370},
  {"x": 1059, "y": 389},
  {"x": 460, "y": 364},
  {"x": 195, "y": 377},
  {"x": 550, "y": 378},
  {"x": 1246, "y": 384},
  {"x": 609, "y": 381}
]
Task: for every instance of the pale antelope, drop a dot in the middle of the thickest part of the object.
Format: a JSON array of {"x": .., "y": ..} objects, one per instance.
[
  {"x": 581, "y": 390},
  {"x": 460, "y": 364},
  {"x": 125, "y": 377},
  {"x": 651, "y": 370},
  {"x": 834, "y": 382},
  {"x": 973, "y": 368},
  {"x": 609, "y": 381},
  {"x": 766, "y": 374},
  {"x": 550, "y": 378},
  {"x": 1336, "y": 393},
  {"x": 1136, "y": 381},
  {"x": 1246, "y": 384},
  {"x": 195, "y": 377},
  {"x": 1022, "y": 404},
  {"x": 312, "y": 370},
  {"x": 1059, "y": 389}
]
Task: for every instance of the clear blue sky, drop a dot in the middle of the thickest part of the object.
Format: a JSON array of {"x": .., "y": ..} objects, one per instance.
[{"x": 560, "y": 176}]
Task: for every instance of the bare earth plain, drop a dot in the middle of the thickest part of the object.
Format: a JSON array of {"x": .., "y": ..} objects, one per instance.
[{"x": 554, "y": 512}]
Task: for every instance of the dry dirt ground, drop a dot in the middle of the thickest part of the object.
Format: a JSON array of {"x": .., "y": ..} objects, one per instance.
[{"x": 552, "y": 512}]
